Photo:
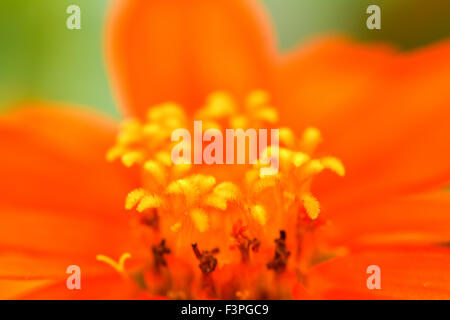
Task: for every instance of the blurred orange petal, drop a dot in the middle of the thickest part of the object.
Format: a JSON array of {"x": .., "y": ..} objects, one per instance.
[
  {"x": 384, "y": 114},
  {"x": 59, "y": 203},
  {"x": 11, "y": 289},
  {"x": 104, "y": 287},
  {"x": 406, "y": 273},
  {"x": 416, "y": 219},
  {"x": 181, "y": 51},
  {"x": 53, "y": 158}
]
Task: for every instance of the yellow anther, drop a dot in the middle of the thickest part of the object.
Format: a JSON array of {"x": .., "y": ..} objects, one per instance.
[
  {"x": 259, "y": 214},
  {"x": 227, "y": 190},
  {"x": 164, "y": 158},
  {"x": 151, "y": 129},
  {"x": 200, "y": 219},
  {"x": 265, "y": 182},
  {"x": 156, "y": 171},
  {"x": 285, "y": 156},
  {"x": 118, "y": 266},
  {"x": 333, "y": 164},
  {"x": 310, "y": 139},
  {"x": 257, "y": 98},
  {"x": 195, "y": 184},
  {"x": 287, "y": 137},
  {"x": 202, "y": 183},
  {"x": 221, "y": 101},
  {"x": 149, "y": 202},
  {"x": 131, "y": 158},
  {"x": 179, "y": 187},
  {"x": 311, "y": 206},
  {"x": 134, "y": 197},
  {"x": 239, "y": 122},
  {"x": 220, "y": 196},
  {"x": 130, "y": 132},
  {"x": 269, "y": 115},
  {"x": 219, "y": 105},
  {"x": 114, "y": 153},
  {"x": 215, "y": 201},
  {"x": 165, "y": 111},
  {"x": 300, "y": 158},
  {"x": 313, "y": 167}
]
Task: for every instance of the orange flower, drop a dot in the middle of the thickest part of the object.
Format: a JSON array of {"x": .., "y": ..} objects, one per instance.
[{"x": 141, "y": 227}]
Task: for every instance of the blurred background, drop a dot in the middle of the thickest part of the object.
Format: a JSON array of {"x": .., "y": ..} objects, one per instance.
[{"x": 41, "y": 59}]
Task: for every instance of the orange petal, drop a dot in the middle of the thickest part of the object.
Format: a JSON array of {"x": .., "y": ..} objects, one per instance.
[
  {"x": 61, "y": 203},
  {"x": 406, "y": 273},
  {"x": 415, "y": 220},
  {"x": 53, "y": 158},
  {"x": 105, "y": 287},
  {"x": 324, "y": 82},
  {"x": 10, "y": 289},
  {"x": 384, "y": 114},
  {"x": 177, "y": 50}
]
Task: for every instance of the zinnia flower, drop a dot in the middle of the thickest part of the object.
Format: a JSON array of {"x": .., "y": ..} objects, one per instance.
[{"x": 364, "y": 157}]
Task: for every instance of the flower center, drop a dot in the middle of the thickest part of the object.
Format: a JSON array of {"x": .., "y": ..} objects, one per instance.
[{"x": 213, "y": 217}]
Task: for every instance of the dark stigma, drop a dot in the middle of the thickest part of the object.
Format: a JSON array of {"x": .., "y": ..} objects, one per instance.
[
  {"x": 207, "y": 260},
  {"x": 151, "y": 219},
  {"x": 279, "y": 261},
  {"x": 244, "y": 244},
  {"x": 159, "y": 252}
]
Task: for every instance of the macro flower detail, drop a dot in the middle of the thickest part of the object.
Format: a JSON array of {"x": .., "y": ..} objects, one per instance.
[
  {"x": 363, "y": 168},
  {"x": 195, "y": 208}
]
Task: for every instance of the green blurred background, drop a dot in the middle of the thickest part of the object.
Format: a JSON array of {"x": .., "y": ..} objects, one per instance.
[{"x": 41, "y": 59}]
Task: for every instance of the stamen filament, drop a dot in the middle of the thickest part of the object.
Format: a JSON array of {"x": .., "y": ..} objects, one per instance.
[{"x": 118, "y": 266}]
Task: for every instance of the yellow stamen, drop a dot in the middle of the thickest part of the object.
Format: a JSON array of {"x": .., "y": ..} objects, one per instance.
[
  {"x": 265, "y": 182},
  {"x": 257, "y": 98},
  {"x": 311, "y": 205},
  {"x": 115, "y": 153},
  {"x": 197, "y": 202},
  {"x": 131, "y": 158},
  {"x": 312, "y": 167},
  {"x": 168, "y": 110},
  {"x": 219, "y": 105},
  {"x": 259, "y": 213},
  {"x": 200, "y": 219},
  {"x": 287, "y": 137},
  {"x": 300, "y": 158},
  {"x": 179, "y": 187},
  {"x": 155, "y": 170},
  {"x": 149, "y": 202},
  {"x": 239, "y": 122},
  {"x": 310, "y": 139},
  {"x": 333, "y": 164},
  {"x": 164, "y": 158},
  {"x": 134, "y": 197},
  {"x": 222, "y": 193},
  {"x": 267, "y": 114},
  {"x": 130, "y": 132},
  {"x": 118, "y": 266}
]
